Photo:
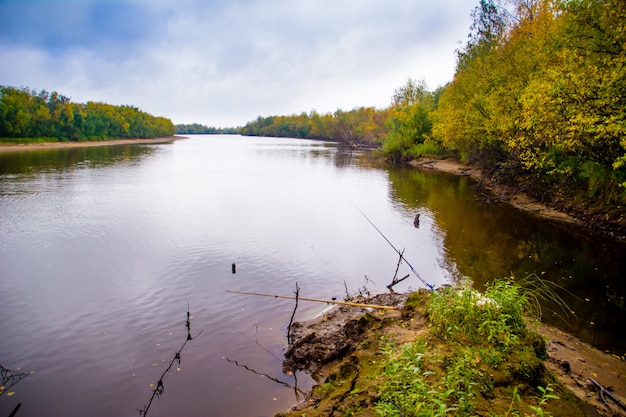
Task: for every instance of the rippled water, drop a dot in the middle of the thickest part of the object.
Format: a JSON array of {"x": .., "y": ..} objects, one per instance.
[{"x": 103, "y": 250}]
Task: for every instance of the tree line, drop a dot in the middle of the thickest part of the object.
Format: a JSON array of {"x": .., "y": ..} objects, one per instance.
[
  {"x": 26, "y": 113},
  {"x": 199, "y": 129},
  {"x": 360, "y": 127}
]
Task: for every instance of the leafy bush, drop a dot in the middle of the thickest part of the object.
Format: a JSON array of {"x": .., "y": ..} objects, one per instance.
[{"x": 496, "y": 316}]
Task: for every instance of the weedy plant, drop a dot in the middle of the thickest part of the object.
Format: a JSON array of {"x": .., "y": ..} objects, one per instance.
[
  {"x": 465, "y": 314},
  {"x": 409, "y": 385},
  {"x": 486, "y": 343}
]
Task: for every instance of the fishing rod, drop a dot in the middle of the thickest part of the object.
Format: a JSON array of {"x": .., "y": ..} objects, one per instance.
[
  {"x": 395, "y": 249},
  {"x": 345, "y": 303}
]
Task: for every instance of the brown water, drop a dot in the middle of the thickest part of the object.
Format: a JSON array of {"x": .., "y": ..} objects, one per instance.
[{"x": 102, "y": 250}]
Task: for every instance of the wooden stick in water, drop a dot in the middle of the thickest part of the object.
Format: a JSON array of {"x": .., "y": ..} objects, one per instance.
[{"x": 345, "y": 303}]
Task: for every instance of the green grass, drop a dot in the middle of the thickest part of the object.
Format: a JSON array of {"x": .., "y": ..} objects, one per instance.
[{"x": 482, "y": 343}]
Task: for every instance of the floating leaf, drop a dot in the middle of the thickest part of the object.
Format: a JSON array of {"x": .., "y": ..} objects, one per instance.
[{"x": 10, "y": 393}]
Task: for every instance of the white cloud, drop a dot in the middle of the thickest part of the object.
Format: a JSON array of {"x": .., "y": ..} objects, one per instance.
[{"x": 224, "y": 63}]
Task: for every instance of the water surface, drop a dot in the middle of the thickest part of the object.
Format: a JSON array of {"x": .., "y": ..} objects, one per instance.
[{"x": 103, "y": 250}]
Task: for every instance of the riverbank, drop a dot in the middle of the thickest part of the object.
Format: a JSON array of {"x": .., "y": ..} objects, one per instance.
[
  {"x": 516, "y": 199},
  {"x": 608, "y": 221},
  {"x": 19, "y": 147},
  {"x": 346, "y": 351}
]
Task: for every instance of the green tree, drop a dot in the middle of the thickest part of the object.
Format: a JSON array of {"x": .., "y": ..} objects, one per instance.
[
  {"x": 28, "y": 114},
  {"x": 410, "y": 121}
]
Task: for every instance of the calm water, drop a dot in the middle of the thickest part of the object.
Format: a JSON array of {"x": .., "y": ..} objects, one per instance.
[{"x": 103, "y": 250}]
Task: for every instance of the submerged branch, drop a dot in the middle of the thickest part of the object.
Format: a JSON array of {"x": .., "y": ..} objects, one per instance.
[
  {"x": 271, "y": 378},
  {"x": 160, "y": 388},
  {"x": 9, "y": 378}
]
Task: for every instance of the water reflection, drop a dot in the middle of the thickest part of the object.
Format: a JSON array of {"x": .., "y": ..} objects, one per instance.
[
  {"x": 38, "y": 171},
  {"x": 487, "y": 241},
  {"x": 61, "y": 159}
]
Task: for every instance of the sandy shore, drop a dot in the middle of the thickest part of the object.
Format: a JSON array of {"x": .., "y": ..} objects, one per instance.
[{"x": 12, "y": 147}]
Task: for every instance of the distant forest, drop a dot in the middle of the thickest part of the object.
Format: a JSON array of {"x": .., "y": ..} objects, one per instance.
[
  {"x": 198, "y": 129},
  {"x": 31, "y": 114},
  {"x": 361, "y": 127}
]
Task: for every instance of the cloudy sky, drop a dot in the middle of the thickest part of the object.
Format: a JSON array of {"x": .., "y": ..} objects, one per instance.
[{"x": 225, "y": 62}]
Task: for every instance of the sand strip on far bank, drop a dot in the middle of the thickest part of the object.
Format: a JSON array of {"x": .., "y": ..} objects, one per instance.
[{"x": 13, "y": 147}]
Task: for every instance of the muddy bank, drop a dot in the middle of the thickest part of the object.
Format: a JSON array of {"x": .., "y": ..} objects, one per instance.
[
  {"x": 574, "y": 362},
  {"x": 332, "y": 335},
  {"x": 15, "y": 147},
  {"x": 610, "y": 221},
  {"x": 342, "y": 349}
]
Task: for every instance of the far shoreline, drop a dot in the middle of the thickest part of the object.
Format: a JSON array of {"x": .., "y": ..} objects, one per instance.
[{"x": 19, "y": 147}]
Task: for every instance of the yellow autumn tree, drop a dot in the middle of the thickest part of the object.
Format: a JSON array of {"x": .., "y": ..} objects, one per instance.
[
  {"x": 574, "y": 110},
  {"x": 542, "y": 93}
]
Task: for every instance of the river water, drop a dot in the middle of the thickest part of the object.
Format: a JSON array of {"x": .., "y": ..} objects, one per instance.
[{"x": 103, "y": 251}]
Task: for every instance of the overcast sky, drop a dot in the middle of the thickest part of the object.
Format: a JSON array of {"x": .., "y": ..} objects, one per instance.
[{"x": 225, "y": 62}]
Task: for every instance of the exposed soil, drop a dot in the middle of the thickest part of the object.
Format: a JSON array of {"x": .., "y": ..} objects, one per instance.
[
  {"x": 331, "y": 336},
  {"x": 342, "y": 350},
  {"x": 574, "y": 362},
  {"x": 610, "y": 221},
  {"x": 15, "y": 147}
]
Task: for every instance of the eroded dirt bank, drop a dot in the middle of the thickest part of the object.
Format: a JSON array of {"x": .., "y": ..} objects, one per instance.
[
  {"x": 608, "y": 221},
  {"x": 343, "y": 351}
]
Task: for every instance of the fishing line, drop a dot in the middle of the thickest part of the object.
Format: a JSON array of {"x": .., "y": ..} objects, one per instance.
[{"x": 394, "y": 248}]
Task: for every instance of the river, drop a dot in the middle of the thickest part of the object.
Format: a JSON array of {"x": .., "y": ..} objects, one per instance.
[{"x": 104, "y": 250}]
